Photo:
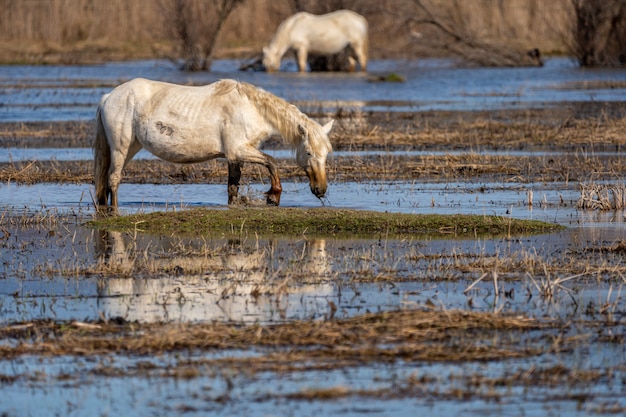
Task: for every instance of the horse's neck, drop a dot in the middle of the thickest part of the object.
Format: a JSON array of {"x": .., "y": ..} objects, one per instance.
[
  {"x": 282, "y": 40},
  {"x": 284, "y": 118}
]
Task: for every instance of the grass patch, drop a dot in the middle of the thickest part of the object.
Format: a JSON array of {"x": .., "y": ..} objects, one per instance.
[{"x": 319, "y": 221}]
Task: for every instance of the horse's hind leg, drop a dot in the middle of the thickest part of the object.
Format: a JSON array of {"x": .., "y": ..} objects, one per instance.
[
  {"x": 351, "y": 64},
  {"x": 120, "y": 157},
  {"x": 234, "y": 176},
  {"x": 115, "y": 177}
]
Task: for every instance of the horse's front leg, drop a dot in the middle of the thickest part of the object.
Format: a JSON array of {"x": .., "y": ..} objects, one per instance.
[
  {"x": 361, "y": 56},
  {"x": 301, "y": 54},
  {"x": 273, "y": 194},
  {"x": 234, "y": 176},
  {"x": 252, "y": 155}
]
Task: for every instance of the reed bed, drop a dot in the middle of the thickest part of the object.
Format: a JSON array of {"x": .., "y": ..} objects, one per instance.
[
  {"x": 602, "y": 196},
  {"x": 396, "y": 338},
  {"x": 585, "y": 127},
  {"x": 51, "y": 31}
]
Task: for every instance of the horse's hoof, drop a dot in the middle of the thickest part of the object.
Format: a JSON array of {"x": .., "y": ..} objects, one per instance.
[
  {"x": 106, "y": 211},
  {"x": 273, "y": 200}
]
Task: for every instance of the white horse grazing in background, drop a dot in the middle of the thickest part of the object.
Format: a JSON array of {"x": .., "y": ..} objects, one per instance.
[
  {"x": 183, "y": 124},
  {"x": 327, "y": 34}
]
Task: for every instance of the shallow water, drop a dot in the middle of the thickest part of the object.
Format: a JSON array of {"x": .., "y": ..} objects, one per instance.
[
  {"x": 553, "y": 202},
  {"x": 65, "y": 271},
  {"x": 19, "y": 154},
  {"x": 71, "y": 272},
  {"x": 30, "y": 93}
]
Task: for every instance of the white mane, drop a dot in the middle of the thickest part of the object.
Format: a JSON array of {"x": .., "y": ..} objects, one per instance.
[{"x": 286, "y": 118}]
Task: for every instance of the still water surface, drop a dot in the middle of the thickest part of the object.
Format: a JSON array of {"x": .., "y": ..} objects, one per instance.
[
  {"x": 29, "y": 93},
  {"x": 42, "y": 269}
]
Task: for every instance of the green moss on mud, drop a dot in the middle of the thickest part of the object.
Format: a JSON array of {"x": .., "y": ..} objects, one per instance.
[{"x": 319, "y": 221}]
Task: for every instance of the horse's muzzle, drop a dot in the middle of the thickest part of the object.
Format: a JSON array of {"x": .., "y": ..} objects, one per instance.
[
  {"x": 318, "y": 190},
  {"x": 317, "y": 181}
]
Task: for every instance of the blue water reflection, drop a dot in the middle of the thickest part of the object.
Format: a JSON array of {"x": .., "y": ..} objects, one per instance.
[{"x": 30, "y": 93}]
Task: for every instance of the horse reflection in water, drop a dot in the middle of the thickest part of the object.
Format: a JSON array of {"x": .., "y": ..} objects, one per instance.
[{"x": 241, "y": 283}]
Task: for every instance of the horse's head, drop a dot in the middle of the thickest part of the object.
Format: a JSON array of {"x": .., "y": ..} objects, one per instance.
[
  {"x": 311, "y": 155},
  {"x": 271, "y": 60}
]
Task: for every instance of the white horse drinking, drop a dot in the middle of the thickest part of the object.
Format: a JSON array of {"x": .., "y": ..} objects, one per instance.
[
  {"x": 327, "y": 34},
  {"x": 183, "y": 124}
]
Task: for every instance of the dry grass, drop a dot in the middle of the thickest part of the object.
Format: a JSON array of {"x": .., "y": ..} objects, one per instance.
[
  {"x": 392, "y": 338},
  {"x": 52, "y": 32},
  {"x": 579, "y": 131},
  {"x": 384, "y": 167},
  {"x": 602, "y": 196},
  {"x": 33, "y": 172},
  {"x": 411, "y": 334}
]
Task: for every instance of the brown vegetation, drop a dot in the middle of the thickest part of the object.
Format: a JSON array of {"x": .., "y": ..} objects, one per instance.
[
  {"x": 411, "y": 334},
  {"x": 196, "y": 25},
  {"x": 599, "y": 32},
  {"x": 578, "y": 131},
  {"x": 75, "y": 31},
  {"x": 602, "y": 196}
]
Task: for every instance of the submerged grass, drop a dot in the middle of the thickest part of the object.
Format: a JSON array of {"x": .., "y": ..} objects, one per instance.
[
  {"x": 396, "y": 338},
  {"x": 319, "y": 221}
]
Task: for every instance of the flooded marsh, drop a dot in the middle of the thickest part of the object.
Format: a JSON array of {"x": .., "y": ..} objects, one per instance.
[{"x": 139, "y": 321}]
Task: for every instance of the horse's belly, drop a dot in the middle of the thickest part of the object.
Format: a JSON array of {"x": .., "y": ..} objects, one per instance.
[
  {"x": 182, "y": 149},
  {"x": 327, "y": 43},
  {"x": 184, "y": 154},
  {"x": 179, "y": 141}
]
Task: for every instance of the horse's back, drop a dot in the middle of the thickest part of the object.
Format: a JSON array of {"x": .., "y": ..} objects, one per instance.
[
  {"x": 181, "y": 123},
  {"x": 140, "y": 89},
  {"x": 347, "y": 20},
  {"x": 345, "y": 15},
  {"x": 341, "y": 25},
  {"x": 127, "y": 95},
  {"x": 147, "y": 98}
]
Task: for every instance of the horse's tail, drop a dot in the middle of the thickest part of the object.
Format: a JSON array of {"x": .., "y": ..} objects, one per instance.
[{"x": 102, "y": 160}]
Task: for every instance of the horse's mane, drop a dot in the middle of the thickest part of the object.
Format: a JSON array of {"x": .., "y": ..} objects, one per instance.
[{"x": 285, "y": 117}]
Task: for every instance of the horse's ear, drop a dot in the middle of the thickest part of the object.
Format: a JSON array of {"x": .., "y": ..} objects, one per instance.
[
  {"x": 328, "y": 126},
  {"x": 301, "y": 130}
]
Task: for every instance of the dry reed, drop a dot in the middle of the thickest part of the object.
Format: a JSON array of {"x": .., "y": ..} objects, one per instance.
[
  {"x": 75, "y": 31},
  {"x": 409, "y": 334},
  {"x": 602, "y": 196}
]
